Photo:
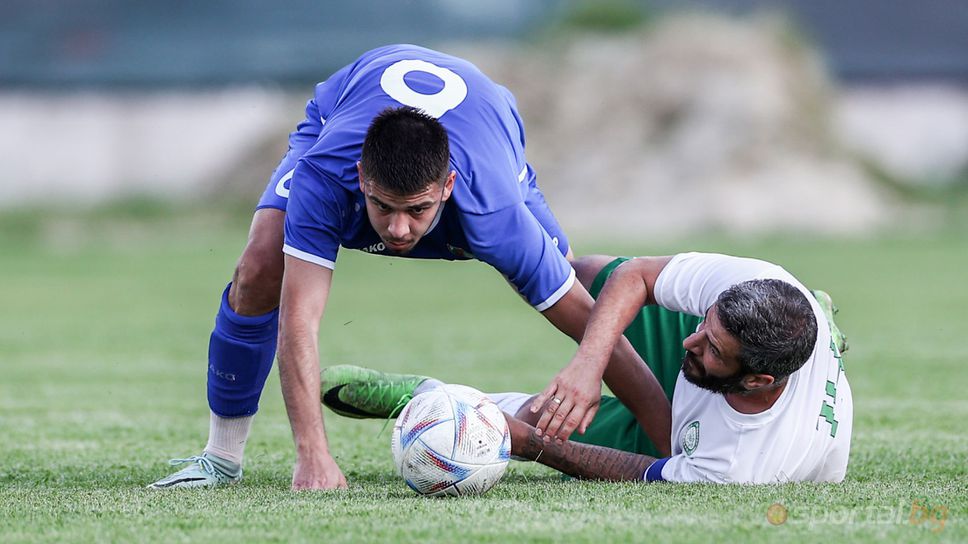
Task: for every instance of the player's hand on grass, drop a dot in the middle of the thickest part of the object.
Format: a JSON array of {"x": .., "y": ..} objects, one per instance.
[
  {"x": 317, "y": 472},
  {"x": 569, "y": 402}
]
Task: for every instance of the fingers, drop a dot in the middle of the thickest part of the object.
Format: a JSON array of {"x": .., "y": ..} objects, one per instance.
[
  {"x": 328, "y": 478},
  {"x": 587, "y": 420},
  {"x": 541, "y": 400},
  {"x": 558, "y": 421},
  {"x": 564, "y": 409},
  {"x": 305, "y": 485},
  {"x": 567, "y": 417},
  {"x": 543, "y": 397},
  {"x": 572, "y": 421},
  {"x": 550, "y": 409}
]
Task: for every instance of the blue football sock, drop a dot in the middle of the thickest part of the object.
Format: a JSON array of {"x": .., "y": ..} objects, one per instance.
[{"x": 240, "y": 354}]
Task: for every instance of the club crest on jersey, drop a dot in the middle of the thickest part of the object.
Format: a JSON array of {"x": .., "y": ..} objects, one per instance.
[{"x": 690, "y": 439}]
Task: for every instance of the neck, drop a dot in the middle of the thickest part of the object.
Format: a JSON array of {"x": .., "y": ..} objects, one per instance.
[{"x": 759, "y": 400}]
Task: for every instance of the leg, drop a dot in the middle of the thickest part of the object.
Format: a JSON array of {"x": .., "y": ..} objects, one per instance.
[
  {"x": 258, "y": 275},
  {"x": 243, "y": 344},
  {"x": 358, "y": 392},
  {"x": 241, "y": 349}
]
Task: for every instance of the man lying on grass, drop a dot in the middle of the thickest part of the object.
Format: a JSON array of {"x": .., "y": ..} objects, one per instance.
[{"x": 759, "y": 396}]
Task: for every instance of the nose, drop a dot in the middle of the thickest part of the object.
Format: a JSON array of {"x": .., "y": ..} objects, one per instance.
[
  {"x": 399, "y": 226},
  {"x": 693, "y": 342}
]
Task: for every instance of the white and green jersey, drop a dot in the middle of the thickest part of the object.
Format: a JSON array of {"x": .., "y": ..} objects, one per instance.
[{"x": 804, "y": 436}]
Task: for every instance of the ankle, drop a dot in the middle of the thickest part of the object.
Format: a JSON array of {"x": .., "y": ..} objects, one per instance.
[{"x": 227, "y": 437}]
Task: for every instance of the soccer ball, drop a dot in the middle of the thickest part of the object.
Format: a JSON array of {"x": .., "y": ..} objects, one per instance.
[{"x": 451, "y": 441}]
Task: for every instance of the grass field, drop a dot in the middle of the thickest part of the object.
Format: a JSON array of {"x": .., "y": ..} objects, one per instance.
[{"x": 103, "y": 335}]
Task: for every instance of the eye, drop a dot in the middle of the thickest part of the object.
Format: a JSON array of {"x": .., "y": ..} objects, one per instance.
[{"x": 715, "y": 352}]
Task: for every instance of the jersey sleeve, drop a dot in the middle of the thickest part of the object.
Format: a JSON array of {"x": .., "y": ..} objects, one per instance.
[
  {"x": 314, "y": 217},
  {"x": 691, "y": 282},
  {"x": 681, "y": 468},
  {"x": 512, "y": 241}
]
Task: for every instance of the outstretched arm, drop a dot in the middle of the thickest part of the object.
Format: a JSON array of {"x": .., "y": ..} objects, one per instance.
[
  {"x": 583, "y": 461},
  {"x": 578, "y": 385},
  {"x": 602, "y": 347},
  {"x": 305, "y": 288}
]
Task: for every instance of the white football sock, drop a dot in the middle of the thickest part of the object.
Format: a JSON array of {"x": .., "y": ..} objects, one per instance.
[
  {"x": 227, "y": 436},
  {"x": 426, "y": 386},
  {"x": 509, "y": 403}
]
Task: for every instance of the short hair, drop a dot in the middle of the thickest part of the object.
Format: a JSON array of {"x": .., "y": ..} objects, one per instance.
[
  {"x": 774, "y": 323},
  {"x": 405, "y": 150}
]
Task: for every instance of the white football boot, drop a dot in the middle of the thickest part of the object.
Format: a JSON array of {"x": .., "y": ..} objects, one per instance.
[{"x": 205, "y": 470}]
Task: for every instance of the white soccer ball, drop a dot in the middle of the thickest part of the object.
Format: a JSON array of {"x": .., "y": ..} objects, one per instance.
[{"x": 451, "y": 441}]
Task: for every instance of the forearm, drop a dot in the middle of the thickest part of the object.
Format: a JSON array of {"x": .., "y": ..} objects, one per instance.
[
  {"x": 305, "y": 288},
  {"x": 621, "y": 299},
  {"x": 627, "y": 290},
  {"x": 583, "y": 461},
  {"x": 299, "y": 376}
]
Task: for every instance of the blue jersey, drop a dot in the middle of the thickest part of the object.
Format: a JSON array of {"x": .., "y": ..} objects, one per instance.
[{"x": 496, "y": 213}]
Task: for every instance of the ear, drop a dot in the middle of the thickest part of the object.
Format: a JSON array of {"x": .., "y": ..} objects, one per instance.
[
  {"x": 359, "y": 171},
  {"x": 755, "y": 381},
  {"x": 449, "y": 185}
]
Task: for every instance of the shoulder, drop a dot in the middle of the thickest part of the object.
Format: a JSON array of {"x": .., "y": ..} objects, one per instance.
[{"x": 691, "y": 282}]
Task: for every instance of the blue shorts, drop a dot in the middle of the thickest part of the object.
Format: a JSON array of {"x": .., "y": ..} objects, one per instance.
[{"x": 307, "y": 132}]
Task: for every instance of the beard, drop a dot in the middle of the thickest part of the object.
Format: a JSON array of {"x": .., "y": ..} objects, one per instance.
[{"x": 695, "y": 375}]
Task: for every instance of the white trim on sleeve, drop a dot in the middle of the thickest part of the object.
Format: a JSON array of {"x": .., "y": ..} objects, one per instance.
[
  {"x": 308, "y": 257},
  {"x": 556, "y": 296}
]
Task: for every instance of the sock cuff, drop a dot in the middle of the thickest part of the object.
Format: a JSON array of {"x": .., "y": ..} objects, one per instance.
[
  {"x": 245, "y": 327},
  {"x": 227, "y": 436},
  {"x": 427, "y": 386},
  {"x": 510, "y": 403}
]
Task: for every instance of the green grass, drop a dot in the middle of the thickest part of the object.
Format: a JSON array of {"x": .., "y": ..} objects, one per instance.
[{"x": 103, "y": 335}]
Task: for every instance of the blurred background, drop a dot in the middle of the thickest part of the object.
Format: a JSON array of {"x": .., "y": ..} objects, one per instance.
[{"x": 654, "y": 118}]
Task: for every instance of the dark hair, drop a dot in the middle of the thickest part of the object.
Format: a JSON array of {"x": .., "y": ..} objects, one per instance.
[
  {"x": 405, "y": 150},
  {"x": 774, "y": 324}
]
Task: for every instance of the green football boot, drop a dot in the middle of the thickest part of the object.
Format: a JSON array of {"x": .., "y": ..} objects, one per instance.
[
  {"x": 829, "y": 310},
  {"x": 205, "y": 470},
  {"x": 357, "y": 392}
]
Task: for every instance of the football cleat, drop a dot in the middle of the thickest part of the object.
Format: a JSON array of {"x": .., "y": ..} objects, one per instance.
[
  {"x": 829, "y": 310},
  {"x": 205, "y": 470},
  {"x": 357, "y": 392}
]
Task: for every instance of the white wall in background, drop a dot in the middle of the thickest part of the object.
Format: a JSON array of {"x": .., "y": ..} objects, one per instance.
[
  {"x": 91, "y": 147},
  {"x": 918, "y": 132}
]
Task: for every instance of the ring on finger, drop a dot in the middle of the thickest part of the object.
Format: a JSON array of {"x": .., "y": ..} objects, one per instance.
[{"x": 556, "y": 400}]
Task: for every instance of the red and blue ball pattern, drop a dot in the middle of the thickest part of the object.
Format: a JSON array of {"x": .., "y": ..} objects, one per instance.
[{"x": 451, "y": 441}]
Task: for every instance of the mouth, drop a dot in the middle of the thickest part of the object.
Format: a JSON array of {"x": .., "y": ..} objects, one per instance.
[
  {"x": 398, "y": 246},
  {"x": 691, "y": 367}
]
